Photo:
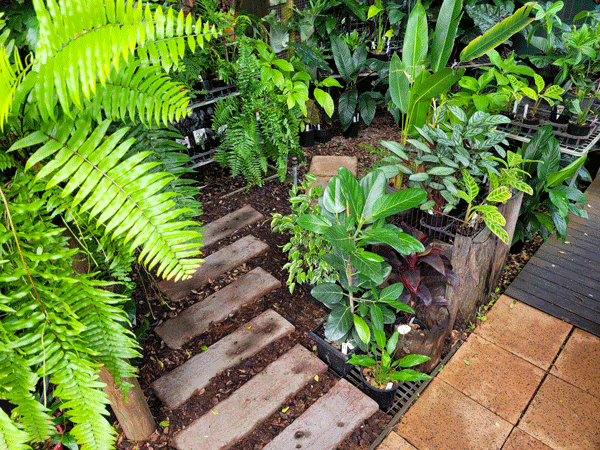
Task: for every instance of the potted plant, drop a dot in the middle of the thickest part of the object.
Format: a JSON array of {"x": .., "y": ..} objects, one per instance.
[
  {"x": 352, "y": 218},
  {"x": 549, "y": 94},
  {"x": 381, "y": 374},
  {"x": 381, "y": 14},
  {"x": 424, "y": 276},
  {"x": 581, "y": 126}
]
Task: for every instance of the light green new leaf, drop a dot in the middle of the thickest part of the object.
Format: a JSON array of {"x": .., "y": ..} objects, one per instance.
[
  {"x": 399, "y": 84},
  {"x": 500, "y": 195},
  {"x": 416, "y": 42},
  {"x": 393, "y": 203},
  {"x": 364, "y": 333}
]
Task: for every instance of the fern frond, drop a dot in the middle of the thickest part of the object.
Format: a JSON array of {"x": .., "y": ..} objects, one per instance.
[
  {"x": 11, "y": 436},
  {"x": 140, "y": 92},
  {"x": 120, "y": 194},
  {"x": 8, "y": 83},
  {"x": 79, "y": 44}
]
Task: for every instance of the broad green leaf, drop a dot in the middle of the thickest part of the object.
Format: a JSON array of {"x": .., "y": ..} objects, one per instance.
[
  {"x": 314, "y": 222},
  {"x": 445, "y": 33},
  {"x": 413, "y": 360},
  {"x": 441, "y": 171},
  {"x": 370, "y": 268},
  {"x": 470, "y": 184},
  {"x": 352, "y": 193},
  {"x": 329, "y": 294},
  {"x": 396, "y": 148},
  {"x": 409, "y": 375},
  {"x": 376, "y": 317},
  {"x": 498, "y": 34},
  {"x": 339, "y": 322},
  {"x": 347, "y": 105},
  {"x": 399, "y": 305},
  {"x": 399, "y": 84},
  {"x": 391, "y": 292},
  {"x": 416, "y": 42},
  {"x": 392, "y": 343},
  {"x": 333, "y": 200},
  {"x": 324, "y": 99},
  {"x": 373, "y": 187},
  {"x": 362, "y": 360},
  {"x": 499, "y": 195},
  {"x": 545, "y": 220},
  {"x": 364, "y": 333},
  {"x": 554, "y": 179},
  {"x": 401, "y": 242},
  {"x": 496, "y": 229},
  {"x": 338, "y": 236},
  {"x": 343, "y": 58},
  {"x": 398, "y": 201}
]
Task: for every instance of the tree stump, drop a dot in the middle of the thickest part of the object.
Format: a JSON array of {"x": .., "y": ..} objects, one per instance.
[{"x": 478, "y": 261}]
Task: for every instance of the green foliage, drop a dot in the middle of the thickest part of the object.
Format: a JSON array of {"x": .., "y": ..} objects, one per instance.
[
  {"x": 550, "y": 94},
  {"x": 73, "y": 182},
  {"x": 383, "y": 369},
  {"x": 256, "y": 125},
  {"x": 305, "y": 249},
  {"x": 546, "y": 210},
  {"x": 352, "y": 218}
]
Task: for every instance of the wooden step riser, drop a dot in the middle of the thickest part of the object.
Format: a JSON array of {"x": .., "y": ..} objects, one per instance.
[{"x": 229, "y": 224}]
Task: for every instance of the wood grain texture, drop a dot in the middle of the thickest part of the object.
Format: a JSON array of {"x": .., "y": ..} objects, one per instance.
[{"x": 229, "y": 224}]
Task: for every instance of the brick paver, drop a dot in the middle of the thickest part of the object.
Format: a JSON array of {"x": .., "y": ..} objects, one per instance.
[
  {"x": 493, "y": 377},
  {"x": 395, "y": 442},
  {"x": 327, "y": 166},
  {"x": 531, "y": 334},
  {"x": 563, "y": 417},
  {"x": 519, "y": 440},
  {"x": 445, "y": 418},
  {"x": 579, "y": 362}
]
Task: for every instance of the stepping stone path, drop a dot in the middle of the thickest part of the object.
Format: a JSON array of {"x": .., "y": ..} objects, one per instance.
[
  {"x": 196, "y": 319},
  {"x": 215, "y": 265},
  {"x": 325, "y": 167},
  {"x": 328, "y": 421},
  {"x": 322, "y": 426}
]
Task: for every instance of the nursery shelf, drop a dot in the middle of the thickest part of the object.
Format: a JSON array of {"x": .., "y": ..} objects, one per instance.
[{"x": 569, "y": 144}]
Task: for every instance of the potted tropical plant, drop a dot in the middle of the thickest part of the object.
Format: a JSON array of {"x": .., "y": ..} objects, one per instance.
[
  {"x": 352, "y": 218},
  {"x": 381, "y": 375},
  {"x": 580, "y": 126},
  {"x": 550, "y": 94},
  {"x": 385, "y": 15}
]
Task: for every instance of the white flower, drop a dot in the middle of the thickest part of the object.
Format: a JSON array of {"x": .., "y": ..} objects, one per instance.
[{"x": 404, "y": 329}]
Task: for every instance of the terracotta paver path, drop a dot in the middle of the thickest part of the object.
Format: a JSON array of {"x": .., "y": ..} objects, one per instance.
[{"x": 522, "y": 380}]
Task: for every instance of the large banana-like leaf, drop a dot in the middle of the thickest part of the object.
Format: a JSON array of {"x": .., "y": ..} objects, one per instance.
[
  {"x": 399, "y": 84},
  {"x": 445, "y": 33},
  {"x": 120, "y": 194},
  {"x": 498, "y": 33},
  {"x": 416, "y": 44},
  {"x": 72, "y": 56}
]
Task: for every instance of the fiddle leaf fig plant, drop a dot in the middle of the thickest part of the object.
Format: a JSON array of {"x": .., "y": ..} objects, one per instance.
[{"x": 352, "y": 219}]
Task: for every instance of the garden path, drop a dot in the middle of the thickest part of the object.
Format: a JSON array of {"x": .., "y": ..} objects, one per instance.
[{"x": 334, "y": 416}]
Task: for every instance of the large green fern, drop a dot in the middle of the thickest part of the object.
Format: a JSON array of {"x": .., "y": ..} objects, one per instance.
[
  {"x": 256, "y": 127},
  {"x": 71, "y": 163}
]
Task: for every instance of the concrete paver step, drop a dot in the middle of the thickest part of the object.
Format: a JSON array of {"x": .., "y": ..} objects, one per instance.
[
  {"x": 229, "y": 224},
  {"x": 215, "y": 265},
  {"x": 178, "y": 385},
  {"x": 233, "y": 418},
  {"x": 196, "y": 319},
  {"x": 327, "y": 422}
]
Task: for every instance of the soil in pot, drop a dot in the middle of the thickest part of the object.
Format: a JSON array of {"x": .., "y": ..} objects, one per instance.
[
  {"x": 428, "y": 341},
  {"x": 383, "y": 397},
  {"x": 328, "y": 353},
  {"x": 575, "y": 129}
]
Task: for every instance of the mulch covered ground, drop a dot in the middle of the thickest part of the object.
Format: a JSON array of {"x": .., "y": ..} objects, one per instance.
[{"x": 152, "y": 309}]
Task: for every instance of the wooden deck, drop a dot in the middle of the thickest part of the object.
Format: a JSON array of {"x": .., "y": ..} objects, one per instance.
[{"x": 563, "y": 279}]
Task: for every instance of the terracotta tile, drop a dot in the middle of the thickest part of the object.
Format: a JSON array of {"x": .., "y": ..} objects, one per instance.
[
  {"x": 531, "y": 334},
  {"x": 494, "y": 377},
  {"x": 444, "y": 418},
  {"x": 579, "y": 362},
  {"x": 519, "y": 440},
  {"x": 395, "y": 442},
  {"x": 329, "y": 165},
  {"x": 563, "y": 416}
]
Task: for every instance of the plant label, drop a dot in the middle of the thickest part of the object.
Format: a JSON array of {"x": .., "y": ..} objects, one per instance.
[{"x": 185, "y": 141}]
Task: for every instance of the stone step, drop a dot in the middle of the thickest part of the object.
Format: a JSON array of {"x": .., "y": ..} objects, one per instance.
[
  {"x": 214, "y": 265},
  {"x": 233, "y": 418},
  {"x": 178, "y": 385},
  {"x": 229, "y": 224},
  {"x": 197, "y": 318},
  {"x": 328, "y": 421}
]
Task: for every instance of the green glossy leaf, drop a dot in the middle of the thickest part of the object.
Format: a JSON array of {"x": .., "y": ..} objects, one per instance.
[
  {"x": 329, "y": 294},
  {"x": 338, "y": 236},
  {"x": 498, "y": 34},
  {"x": 416, "y": 42},
  {"x": 352, "y": 193},
  {"x": 339, "y": 322},
  {"x": 364, "y": 333},
  {"x": 391, "y": 292},
  {"x": 401, "y": 242},
  {"x": 399, "y": 84},
  {"x": 413, "y": 360},
  {"x": 445, "y": 33},
  {"x": 333, "y": 200},
  {"x": 554, "y": 179},
  {"x": 398, "y": 201},
  {"x": 314, "y": 222}
]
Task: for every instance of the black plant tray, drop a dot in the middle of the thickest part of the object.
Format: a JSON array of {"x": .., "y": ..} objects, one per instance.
[{"x": 334, "y": 357}]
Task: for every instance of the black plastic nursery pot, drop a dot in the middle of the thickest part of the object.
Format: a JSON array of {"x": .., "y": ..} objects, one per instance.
[
  {"x": 307, "y": 138},
  {"x": 534, "y": 122},
  {"x": 383, "y": 397},
  {"x": 352, "y": 130},
  {"x": 575, "y": 129},
  {"x": 323, "y": 134},
  {"x": 383, "y": 56},
  {"x": 557, "y": 117},
  {"x": 332, "y": 356}
]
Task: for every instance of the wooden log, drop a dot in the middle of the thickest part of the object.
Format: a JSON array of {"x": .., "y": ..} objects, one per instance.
[
  {"x": 133, "y": 415},
  {"x": 478, "y": 261}
]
